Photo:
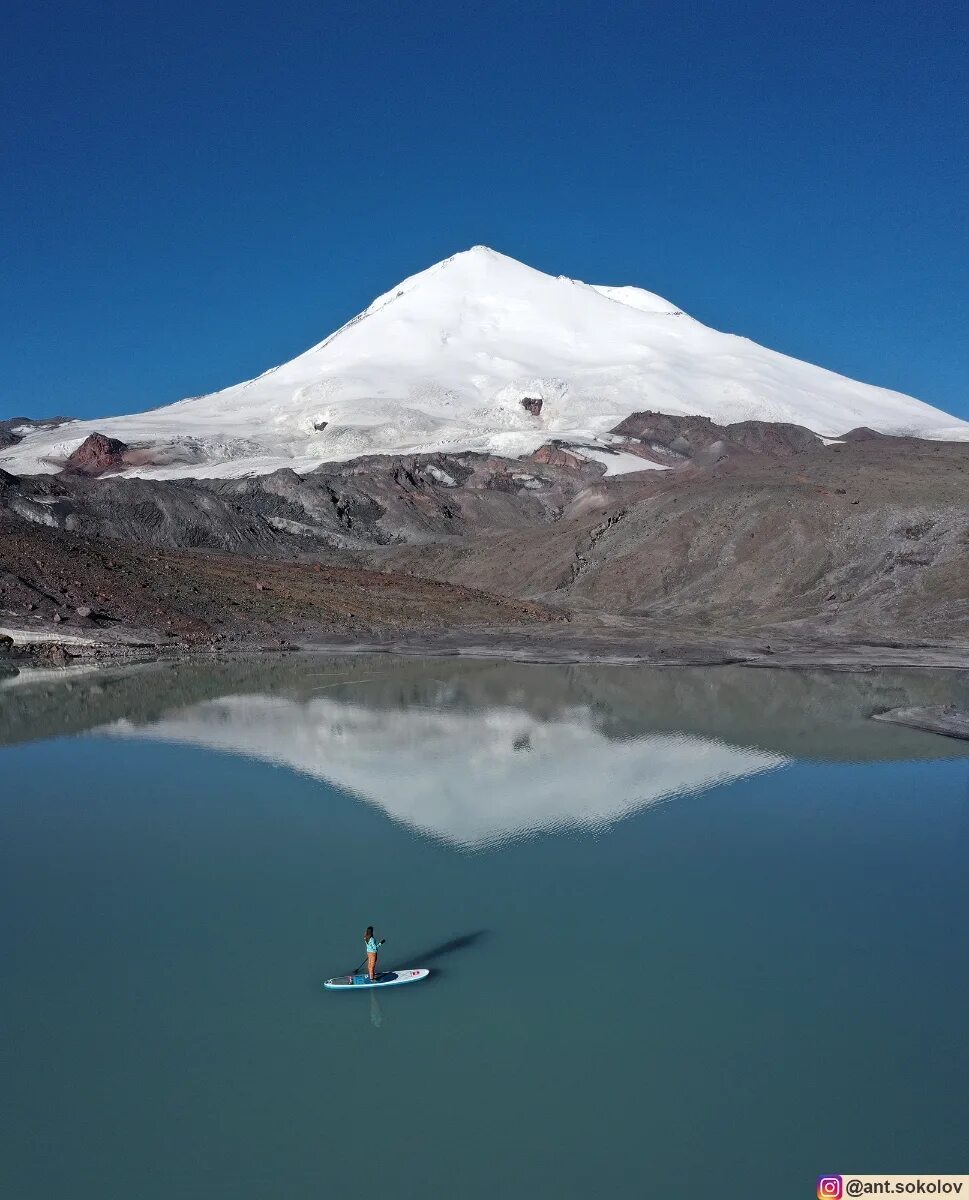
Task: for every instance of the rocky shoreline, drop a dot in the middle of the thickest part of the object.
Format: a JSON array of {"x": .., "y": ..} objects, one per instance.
[
  {"x": 716, "y": 652},
  {"x": 943, "y": 719},
  {"x": 565, "y": 644}
]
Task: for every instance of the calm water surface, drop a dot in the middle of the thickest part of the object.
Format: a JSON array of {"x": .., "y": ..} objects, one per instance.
[{"x": 693, "y": 933}]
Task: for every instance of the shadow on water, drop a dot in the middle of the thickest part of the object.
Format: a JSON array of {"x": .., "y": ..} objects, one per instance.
[{"x": 445, "y": 949}]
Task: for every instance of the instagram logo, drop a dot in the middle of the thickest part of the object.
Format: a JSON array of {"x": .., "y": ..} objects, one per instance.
[{"x": 829, "y": 1187}]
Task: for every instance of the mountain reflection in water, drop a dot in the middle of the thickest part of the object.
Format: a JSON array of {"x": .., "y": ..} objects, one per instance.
[
  {"x": 469, "y": 778},
  {"x": 476, "y": 753}
]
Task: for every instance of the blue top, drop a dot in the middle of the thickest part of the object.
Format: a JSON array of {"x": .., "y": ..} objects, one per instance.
[{"x": 371, "y": 946}]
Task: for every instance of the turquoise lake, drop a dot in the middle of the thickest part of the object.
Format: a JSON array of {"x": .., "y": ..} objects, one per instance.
[{"x": 692, "y": 933}]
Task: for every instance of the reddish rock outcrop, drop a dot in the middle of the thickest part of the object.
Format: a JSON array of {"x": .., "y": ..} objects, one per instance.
[
  {"x": 556, "y": 456},
  {"x": 95, "y": 455}
]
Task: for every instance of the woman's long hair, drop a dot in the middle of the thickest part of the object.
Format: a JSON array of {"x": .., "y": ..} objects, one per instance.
[{"x": 369, "y": 934}]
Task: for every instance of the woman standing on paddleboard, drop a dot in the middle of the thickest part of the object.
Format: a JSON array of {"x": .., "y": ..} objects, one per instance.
[{"x": 371, "y": 944}]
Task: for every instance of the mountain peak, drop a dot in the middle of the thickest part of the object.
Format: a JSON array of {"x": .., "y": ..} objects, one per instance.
[
  {"x": 478, "y": 271},
  {"x": 484, "y": 271},
  {"x": 487, "y": 279},
  {"x": 482, "y": 352}
]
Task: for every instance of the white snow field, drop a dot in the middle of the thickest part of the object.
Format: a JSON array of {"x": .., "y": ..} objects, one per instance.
[{"x": 442, "y": 362}]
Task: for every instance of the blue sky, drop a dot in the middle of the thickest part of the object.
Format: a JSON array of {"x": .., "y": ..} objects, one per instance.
[{"x": 194, "y": 192}]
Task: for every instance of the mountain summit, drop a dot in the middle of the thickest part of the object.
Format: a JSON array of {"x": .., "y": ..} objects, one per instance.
[{"x": 481, "y": 352}]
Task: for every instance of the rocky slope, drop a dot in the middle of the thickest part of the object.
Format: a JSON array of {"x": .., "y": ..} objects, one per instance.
[
  {"x": 869, "y": 537},
  {"x": 86, "y": 589},
  {"x": 752, "y": 528}
]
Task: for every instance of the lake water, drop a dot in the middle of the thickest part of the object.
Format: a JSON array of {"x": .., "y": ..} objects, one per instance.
[{"x": 693, "y": 933}]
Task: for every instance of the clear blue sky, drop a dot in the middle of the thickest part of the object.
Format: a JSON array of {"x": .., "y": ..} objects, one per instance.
[{"x": 193, "y": 192}]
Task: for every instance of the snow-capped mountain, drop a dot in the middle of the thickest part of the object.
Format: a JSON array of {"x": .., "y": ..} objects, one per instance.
[{"x": 444, "y": 361}]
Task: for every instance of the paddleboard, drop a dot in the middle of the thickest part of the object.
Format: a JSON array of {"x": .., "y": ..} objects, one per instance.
[{"x": 384, "y": 979}]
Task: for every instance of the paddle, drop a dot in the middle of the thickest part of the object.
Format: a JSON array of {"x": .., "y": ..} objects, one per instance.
[{"x": 364, "y": 963}]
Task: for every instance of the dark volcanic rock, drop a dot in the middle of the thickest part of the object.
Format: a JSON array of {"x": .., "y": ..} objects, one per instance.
[
  {"x": 687, "y": 436},
  {"x": 772, "y": 437},
  {"x": 95, "y": 455},
  {"x": 684, "y": 435},
  {"x": 7, "y": 427},
  {"x": 532, "y": 404},
  {"x": 7, "y": 435},
  {"x": 861, "y": 434},
  {"x": 943, "y": 719}
]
